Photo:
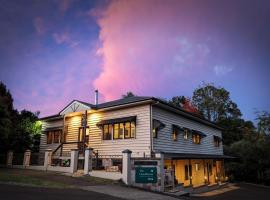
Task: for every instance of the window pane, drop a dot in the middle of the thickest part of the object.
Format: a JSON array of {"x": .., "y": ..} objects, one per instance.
[
  {"x": 110, "y": 130},
  {"x": 49, "y": 138},
  {"x": 121, "y": 130},
  {"x": 127, "y": 130},
  {"x": 155, "y": 133},
  {"x": 116, "y": 131},
  {"x": 133, "y": 129},
  {"x": 56, "y": 137},
  {"x": 106, "y": 134}
]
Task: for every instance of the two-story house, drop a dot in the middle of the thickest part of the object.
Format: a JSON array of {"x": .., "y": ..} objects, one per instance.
[{"x": 192, "y": 146}]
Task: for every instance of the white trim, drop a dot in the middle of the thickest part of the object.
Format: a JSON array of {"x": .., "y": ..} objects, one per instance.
[{"x": 83, "y": 107}]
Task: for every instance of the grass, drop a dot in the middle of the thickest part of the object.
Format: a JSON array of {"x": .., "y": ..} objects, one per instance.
[
  {"x": 12, "y": 178},
  {"x": 98, "y": 181}
]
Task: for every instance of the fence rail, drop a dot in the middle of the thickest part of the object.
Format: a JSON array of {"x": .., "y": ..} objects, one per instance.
[{"x": 37, "y": 159}]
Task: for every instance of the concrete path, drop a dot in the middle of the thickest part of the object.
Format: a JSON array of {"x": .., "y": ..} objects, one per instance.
[{"x": 127, "y": 192}]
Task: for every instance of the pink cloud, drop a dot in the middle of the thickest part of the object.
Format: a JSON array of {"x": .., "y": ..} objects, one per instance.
[{"x": 146, "y": 48}]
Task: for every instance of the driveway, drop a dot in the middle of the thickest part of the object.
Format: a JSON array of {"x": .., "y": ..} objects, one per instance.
[{"x": 242, "y": 192}]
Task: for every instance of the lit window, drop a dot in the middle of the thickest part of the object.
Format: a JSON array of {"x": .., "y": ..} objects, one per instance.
[
  {"x": 133, "y": 129},
  {"x": 196, "y": 138},
  {"x": 155, "y": 132},
  {"x": 216, "y": 141},
  {"x": 127, "y": 130},
  {"x": 121, "y": 130},
  {"x": 107, "y": 134},
  {"x": 186, "y": 134},
  {"x": 174, "y": 135}
]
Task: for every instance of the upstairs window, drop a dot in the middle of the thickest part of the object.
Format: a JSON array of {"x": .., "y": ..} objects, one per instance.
[
  {"x": 217, "y": 141},
  {"x": 196, "y": 138},
  {"x": 157, "y": 126},
  {"x": 186, "y": 134},
  {"x": 176, "y": 130}
]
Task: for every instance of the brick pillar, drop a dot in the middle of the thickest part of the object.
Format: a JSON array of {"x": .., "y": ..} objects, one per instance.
[
  {"x": 162, "y": 171},
  {"x": 9, "y": 158},
  {"x": 48, "y": 158},
  {"x": 26, "y": 158},
  {"x": 74, "y": 160},
  {"x": 126, "y": 170},
  {"x": 88, "y": 160}
]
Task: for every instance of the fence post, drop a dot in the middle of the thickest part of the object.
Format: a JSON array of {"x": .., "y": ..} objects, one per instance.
[
  {"x": 74, "y": 160},
  {"x": 126, "y": 171},
  {"x": 26, "y": 158},
  {"x": 88, "y": 160},
  {"x": 47, "y": 158},
  {"x": 9, "y": 158},
  {"x": 162, "y": 171}
]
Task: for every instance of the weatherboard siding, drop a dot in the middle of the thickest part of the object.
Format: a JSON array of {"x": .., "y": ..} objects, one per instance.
[
  {"x": 139, "y": 146},
  {"x": 43, "y": 139},
  {"x": 165, "y": 142}
]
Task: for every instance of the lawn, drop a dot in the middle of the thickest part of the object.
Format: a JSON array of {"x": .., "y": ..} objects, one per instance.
[
  {"x": 18, "y": 178},
  {"x": 48, "y": 179}
]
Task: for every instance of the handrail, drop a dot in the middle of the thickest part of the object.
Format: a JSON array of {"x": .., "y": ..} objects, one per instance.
[{"x": 61, "y": 146}]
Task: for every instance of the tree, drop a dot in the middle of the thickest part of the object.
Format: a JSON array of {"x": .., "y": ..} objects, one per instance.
[
  {"x": 263, "y": 119},
  {"x": 215, "y": 103},
  {"x": 128, "y": 94},
  {"x": 18, "y": 131},
  {"x": 184, "y": 103},
  {"x": 6, "y": 110}
]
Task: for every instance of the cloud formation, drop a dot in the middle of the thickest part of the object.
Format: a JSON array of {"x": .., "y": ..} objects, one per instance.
[
  {"x": 146, "y": 45},
  {"x": 222, "y": 70}
]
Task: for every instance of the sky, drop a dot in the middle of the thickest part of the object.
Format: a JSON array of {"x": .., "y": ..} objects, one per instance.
[{"x": 54, "y": 51}]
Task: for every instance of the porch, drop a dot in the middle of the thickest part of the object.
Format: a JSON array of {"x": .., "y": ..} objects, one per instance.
[{"x": 194, "y": 173}]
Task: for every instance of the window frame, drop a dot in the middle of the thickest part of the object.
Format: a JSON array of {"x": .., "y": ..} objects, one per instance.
[
  {"x": 186, "y": 134},
  {"x": 217, "y": 142},
  {"x": 51, "y": 136},
  {"x": 196, "y": 138},
  {"x": 117, "y": 127}
]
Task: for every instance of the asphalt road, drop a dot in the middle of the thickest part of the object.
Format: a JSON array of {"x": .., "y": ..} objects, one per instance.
[
  {"x": 245, "y": 192},
  {"x": 14, "y": 192}
]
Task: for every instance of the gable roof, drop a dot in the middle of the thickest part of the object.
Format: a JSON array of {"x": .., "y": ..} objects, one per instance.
[
  {"x": 137, "y": 99},
  {"x": 122, "y": 101}
]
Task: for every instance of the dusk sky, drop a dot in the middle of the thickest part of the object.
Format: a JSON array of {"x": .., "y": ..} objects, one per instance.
[{"x": 52, "y": 52}]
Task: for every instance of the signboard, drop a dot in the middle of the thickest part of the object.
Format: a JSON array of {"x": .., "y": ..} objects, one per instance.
[{"x": 146, "y": 175}]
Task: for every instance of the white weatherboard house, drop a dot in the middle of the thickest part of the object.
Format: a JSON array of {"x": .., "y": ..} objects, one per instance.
[{"x": 192, "y": 146}]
